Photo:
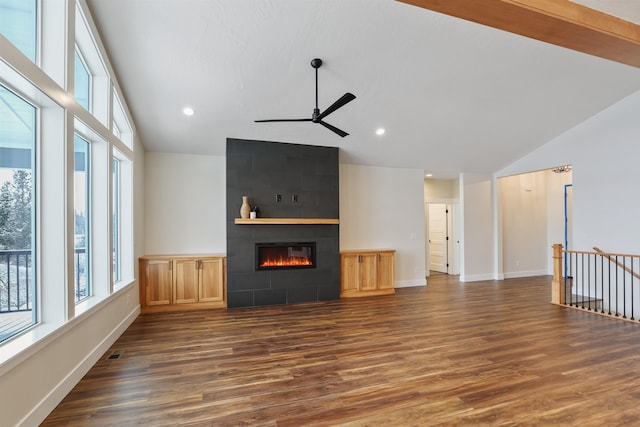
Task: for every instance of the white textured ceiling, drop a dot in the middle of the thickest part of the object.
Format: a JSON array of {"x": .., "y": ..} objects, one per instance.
[{"x": 454, "y": 96}]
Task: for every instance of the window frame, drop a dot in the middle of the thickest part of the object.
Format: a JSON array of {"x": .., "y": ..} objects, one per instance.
[
  {"x": 50, "y": 159},
  {"x": 116, "y": 218},
  {"x": 88, "y": 224},
  {"x": 33, "y": 286},
  {"x": 125, "y": 225},
  {"x": 91, "y": 54},
  {"x": 78, "y": 56}
]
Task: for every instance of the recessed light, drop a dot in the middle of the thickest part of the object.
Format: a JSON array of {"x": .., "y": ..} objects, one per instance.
[
  {"x": 380, "y": 131},
  {"x": 429, "y": 175},
  {"x": 188, "y": 111}
]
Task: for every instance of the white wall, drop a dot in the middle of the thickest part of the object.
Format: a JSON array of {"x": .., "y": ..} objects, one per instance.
[
  {"x": 530, "y": 221},
  {"x": 185, "y": 204},
  {"x": 523, "y": 203},
  {"x": 477, "y": 229},
  {"x": 604, "y": 152},
  {"x": 383, "y": 208},
  {"x": 441, "y": 190}
]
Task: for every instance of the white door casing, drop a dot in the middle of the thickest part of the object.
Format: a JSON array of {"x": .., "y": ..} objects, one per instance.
[{"x": 438, "y": 237}]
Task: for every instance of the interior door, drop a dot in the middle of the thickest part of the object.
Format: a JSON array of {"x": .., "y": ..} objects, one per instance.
[{"x": 438, "y": 240}]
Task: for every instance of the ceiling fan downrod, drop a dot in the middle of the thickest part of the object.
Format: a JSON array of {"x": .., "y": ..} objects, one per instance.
[{"x": 316, "y": 63}]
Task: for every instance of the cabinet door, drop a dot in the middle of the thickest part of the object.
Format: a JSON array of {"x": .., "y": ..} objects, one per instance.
[
  {"x": 349, "y": 272},
  {"x": 157, "y": 282},
  {"x": 385, "y": 270},
  {"x": 368, "y": 272},
  {"x": 211, "y": 279},
  {"x": 186, "y": 281}
]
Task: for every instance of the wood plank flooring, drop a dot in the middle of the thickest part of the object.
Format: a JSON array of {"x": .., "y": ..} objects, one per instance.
[{"x": 493, "y": 353}]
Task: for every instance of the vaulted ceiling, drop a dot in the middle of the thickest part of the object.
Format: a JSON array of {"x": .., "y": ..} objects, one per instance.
[{"x": 453, "y": 95}]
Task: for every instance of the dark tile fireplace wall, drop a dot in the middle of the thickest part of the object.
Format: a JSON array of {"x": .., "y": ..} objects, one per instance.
[{"x": 261, "y": 170}]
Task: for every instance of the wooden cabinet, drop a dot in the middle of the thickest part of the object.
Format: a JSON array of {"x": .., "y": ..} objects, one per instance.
[
  {"x": 386, "y": 271},
  {"x": 367, "y": 272},
  {"x": 159, "y": 273},
  {"x": 182, "y": 282},
  {"x": 185, "y": 281},
  {"x": 211, "y": 280}
]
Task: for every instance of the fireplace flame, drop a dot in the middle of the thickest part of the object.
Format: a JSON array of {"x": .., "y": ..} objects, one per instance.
[{"x": 285, "y": 262}]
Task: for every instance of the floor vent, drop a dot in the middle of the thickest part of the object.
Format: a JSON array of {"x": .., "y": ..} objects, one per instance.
[{"x": 115, "y": 354}]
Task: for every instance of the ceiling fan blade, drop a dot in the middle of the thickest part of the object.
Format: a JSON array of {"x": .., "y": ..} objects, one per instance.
[
  {"x": 283, "y": 120},
  {"x": 344, "y": 99},
  {"x": 333, "y": 128}
]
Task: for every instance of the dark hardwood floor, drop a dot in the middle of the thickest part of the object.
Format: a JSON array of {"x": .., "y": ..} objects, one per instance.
[{"x": 493, "y": 353}]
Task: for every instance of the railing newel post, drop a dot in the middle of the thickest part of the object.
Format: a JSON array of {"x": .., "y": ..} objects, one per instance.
[
  {"x": 558, "y": 286},
  {"x": 632, "y": 301}
]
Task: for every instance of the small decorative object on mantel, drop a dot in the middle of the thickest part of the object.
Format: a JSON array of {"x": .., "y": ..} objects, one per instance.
[
  {"x": 245, "y": 209},
  {"x": 256, "y": 211}
]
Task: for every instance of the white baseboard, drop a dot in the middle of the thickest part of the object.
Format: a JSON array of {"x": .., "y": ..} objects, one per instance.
[
  {"x": 502, "y": 276},
  {"x": 476, "y": 277},
  {"x": 55, "y": 396},
  {"x": 517, "y": 274},
  {"x": 410, "y": 283}
]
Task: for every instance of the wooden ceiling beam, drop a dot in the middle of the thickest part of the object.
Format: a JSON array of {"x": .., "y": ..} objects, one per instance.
[{"x": 559, "y": 22}]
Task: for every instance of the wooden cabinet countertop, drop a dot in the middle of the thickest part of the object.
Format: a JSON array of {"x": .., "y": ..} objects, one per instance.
[{"x": 183, "y": 256}]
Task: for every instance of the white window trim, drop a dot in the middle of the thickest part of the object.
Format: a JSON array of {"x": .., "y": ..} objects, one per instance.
[
  {"x": 127, "y": 273},
  {"x": 90, "y": 54}
]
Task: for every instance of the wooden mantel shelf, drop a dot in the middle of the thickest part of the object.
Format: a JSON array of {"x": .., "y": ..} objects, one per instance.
[{"x": 287, "y": 221}]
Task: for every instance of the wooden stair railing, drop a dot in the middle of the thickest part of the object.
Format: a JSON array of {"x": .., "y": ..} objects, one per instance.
[
  {"x": 605, "y": 295},
  {"x": 611, "y": 258}
]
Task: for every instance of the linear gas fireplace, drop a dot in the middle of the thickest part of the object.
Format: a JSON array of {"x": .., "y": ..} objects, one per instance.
[{"x": 278, "y": 256}]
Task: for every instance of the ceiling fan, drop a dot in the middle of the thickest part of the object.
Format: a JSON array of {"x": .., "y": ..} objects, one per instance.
[{"x": 317, "y": 116}]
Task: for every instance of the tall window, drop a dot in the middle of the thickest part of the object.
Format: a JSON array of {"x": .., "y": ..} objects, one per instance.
[
  {"x": 116, "y": 220},
  {"x": 17, "y": 278},
  {"x": 82, "y": 82},
  {"x": 81, "y": 214},
  {"x": 42, "y": 188},
  {"x": 18, "y": 23}
]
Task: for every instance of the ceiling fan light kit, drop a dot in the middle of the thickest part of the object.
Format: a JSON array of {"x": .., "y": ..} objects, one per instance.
[{"x": 317, "y": 116}]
